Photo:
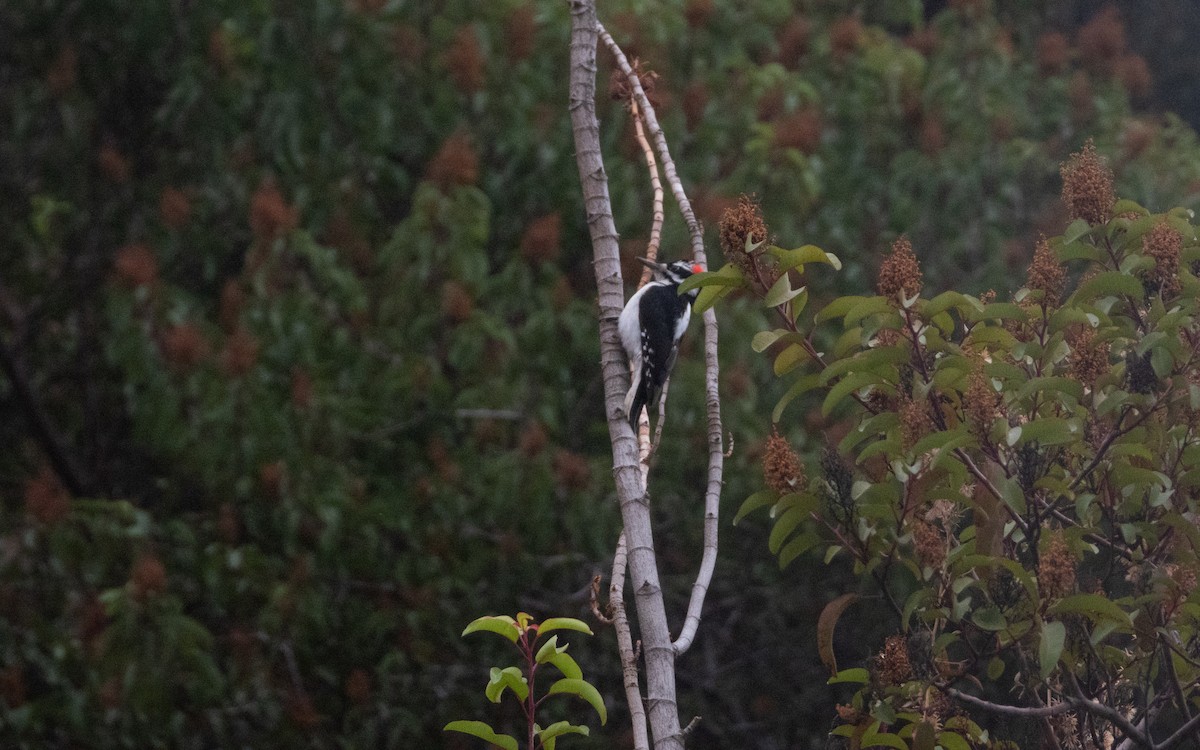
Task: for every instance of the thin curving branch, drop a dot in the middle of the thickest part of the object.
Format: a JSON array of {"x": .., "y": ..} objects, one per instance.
[
  {"x": 659, "y": 656},
  {"x": 716, "y": 454},
  {"x": 656, "y": 184},
  {"x": 629, "y": 667}
]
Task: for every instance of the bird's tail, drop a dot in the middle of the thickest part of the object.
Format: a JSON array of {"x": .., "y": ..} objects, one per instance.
[{"x": 635, "y": 399}]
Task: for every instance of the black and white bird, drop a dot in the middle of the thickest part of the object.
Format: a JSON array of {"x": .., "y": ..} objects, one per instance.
[{"x": 651, "y": 326}]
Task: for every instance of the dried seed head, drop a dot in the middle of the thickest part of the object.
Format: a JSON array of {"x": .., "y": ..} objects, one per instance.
[
  {"x": 1046, "y": 274},
  {"x": 184, "y": 346},
  {"x": 174, "y": 207},
  {"x": 455, "y": 163},
  {"x": 541, "y": 241},
  {"x": 1053, "y": 53},
  {"x": 1102, "y": 40},
  {"x": 571, "y": 470},
  {"x": 1056, "y": 569},
  {"x": 46, "y": 499},
  {"x": 782, "y": 470},
  {"x": 793, "y": 41},
  {"x": 520, "y": 31},
  {"x": 845, "y": 35},
  {"x": 1133, "y": 72},
  {"x": 1087, "y": 186},
  {"x": 270, "y": 215},
  {"x": 979, "y": 402},
  {"x": 1164, "y": 245},
  {"x": 457, "y": 302},
  {"x": 1088, "y": 359},
  {"x": 465, "y": 61},
  {"x": 801, "y": 130},
  {"x": 929, "y": 542},
  {"x": 620, "y": 89},
  {"x": 149, "y": 576},
  {"x": 900, "y": 272},
  {"x": 136, "y": 265},
  {"x": 892, "y": 665},
  {"x": 914, "y": 422},
  {"x": 741, "y": 224}
]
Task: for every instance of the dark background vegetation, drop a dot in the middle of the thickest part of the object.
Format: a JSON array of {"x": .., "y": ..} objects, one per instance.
[{"x": 298, "y": 339}]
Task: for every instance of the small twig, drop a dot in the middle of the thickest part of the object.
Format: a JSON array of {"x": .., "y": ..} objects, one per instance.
[
  {"x": 695, "y": 722},
  {"x": 729, "y": 450},
  {"x": 594, "y": 600},
  {"x": 999, "y": 709},
  {"x": 655, "y": 183},
  {"x": 662, "y": 418},
  {"x": 625, "y": 646}
]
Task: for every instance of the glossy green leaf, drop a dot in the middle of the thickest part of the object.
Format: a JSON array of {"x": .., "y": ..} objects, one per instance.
[
  {"x": 873, "y": 738},
  {"x": 1108, "y": 284},
  {"x": 838, "y": 308},
  {"x": 550, "y": 734},
  {"x": 728, "y": 275},
  {"x": 1075, "y": 230},
  {"x": 866, "y": 308},
  {"x": 845, "y": 387},
  {"x": 780, "y": 292},
  {"x": 783, "y": 528},
  {"x": 790, "y": 358},
  {"x": 802, "y": 543},
  {"x": 802, "y": 385},
  {"x": 1050, "y": 647},
  {"x": 509, "y": 678},
  {"x": 789, "y": 259},
  {"x": 760, "y": 499},
  {"x": 924, "y": 736},
  {"x": 583, "y": 690},
  {"x": 855, "y": 674},
  {"x": 989, "y": 618},
  {"x": 763, "y": 339},
  {"x": 951, "y": 741},
  {"x": 869, "y": 360},
  {"x": 499, "y": 624},
  {"x": 483, "y": 732},
  {"x": 1094, "y": 606},
  {"x": 563, "y": 623}
]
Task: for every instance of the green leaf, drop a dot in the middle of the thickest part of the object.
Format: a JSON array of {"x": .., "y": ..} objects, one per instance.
[
  {"x": 780, "y": 292},
  {"x": 728, "y": 276},
  {"x": 866, "y": 308},
  {"x": 760, "y": 499},
  {"x": 790, "y": 358},
  {"x": 796, "y": 547},
  {"x": 951, "y": 741},
  {"x": 873, "y": 738},
  {"x": 837, "y": 308},
  {"x": 764, "y": 339},
  {"x": 998, "y": 311},
  {"x": 783, "y": 528},
  {"x": 846, "y": 386},
  {"x": 869, "y": 360},
  {"x": 583, "y": 690},
  {"x": 1108, "y": 284},
  {"x": 945, "y": 301},
  {"x": 989, "y": 618},
  {"x": 1075, "y": 230},
  {"x": 500, "y": 624},
  {"x": 552, "y": 653},
  {"x": 710, "y": 296},
  {"x": 1096, "y": 606},
  {"x": 995, "y": 668},
  {"x": 509, "y": 678},
  {"x": 483, "y": 732},
  {"x": 789, "y": 259},
  {"x": 549, "y": 735},
  {"x": 563, "y": 623},
  {"x": 854, "y": 674},
  {"x": 803, "y": 384},
  {"x": 924, "y": 736},
  {"x": 1054, "y": 635},
  {"x": 1048, "y": 431}
]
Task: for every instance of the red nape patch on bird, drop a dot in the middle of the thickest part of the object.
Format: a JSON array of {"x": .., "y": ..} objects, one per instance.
[{"x": 697, "y": 268}]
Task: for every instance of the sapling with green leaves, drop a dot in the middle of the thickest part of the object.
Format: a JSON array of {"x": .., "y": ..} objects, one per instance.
[
  {"x": 1015, "y": 483},
  {"x": 536, "y": 652}
]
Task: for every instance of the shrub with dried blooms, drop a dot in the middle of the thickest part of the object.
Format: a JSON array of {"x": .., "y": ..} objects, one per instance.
[
  {"x": 240, "y": 354},
  {"x": 695, "y": 100},
  {"x": 465, "y": 61},
  {"x": 233, "y": 299},
  {"x": 1133, "y": 72},
  {"x": 455, "y": 163},
  {"x": 113, "y": 164},
  {"x": 979, "y": 402},
  {"x": 46, "y": 499},
  {"x": 1102, "y": 40},
  {"x": 1056, "y": 569},
  {"x": 457, "y": 302},
  {"x": 1164, "y": 245},
  {"x": 184, "y": 346},
  {"x": 845, "y": 34},
  {"x": 698, "y": 12},
  {"x": 541, "y": 241},
  {"x": 136, "y": 265},
  {"x": 914, "y": 422},
  {"x": 174, "y": 207},
  {"x": 900, "y": 273},
  {"x": 782, "y": 469},
  {"x": 148, "y": 576},
  {"x": 742, "y": 224},
  {"x": 800, "y": 130},
  {"x": 1087, "y": 186},
  {"x": 520, "y": 33},
  {"x": 621, "y": 90},
  {"x": 1053, "y": 53},
  {"x": 270, "y": 215},
  {"x": 793, "y": 41},
  {"x": 571, "y": 470},
  {"x": 929, "y": 543},
  {"x": 892, "y": 666},
  {"x": 1046, "y": 274}
]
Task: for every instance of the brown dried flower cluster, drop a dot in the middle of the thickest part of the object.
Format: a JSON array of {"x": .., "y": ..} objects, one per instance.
[
  {"x": 1087, "y": 186},
  {"x": 1164, "y": 245},
  {"x": 64, "y": 71},
  {"x": 892, "y": 664},
  {"x": 1056, "y": 569},
  {"x": 782, "y": 470},
  {"x": 113, "y": 164},
  {"x": 148, "y": 576},
  {"x": 621, "y": 90},
  {"x": 1089, "y": 358},
  {"x": 739, "y": 224},
  {"x": 929, "y": 542},
  {"x": 520, "y": 32},
  {"x": 1102, "y": 40},
  {"x": 45, "y": 498},
  {"x": 698, "y": 12},
  {"x": 979, "y": 402},
  {"x": 845, "y": 35},
  {"x": 270, "y": 215},
  {"x": 542, "y": 238},
  {"x": 1053, "y": 53},
  {"x": 914, "y": 422},
  {"x": 900, "y": 272},
  {"x": 174, "y": 207},
  {"x": 465, "y": 61},
  {"x": 800, "y": 130},
  {"x": 184, "y": 346},
  {"x": 233, "y": 299},
  {"x": 1046, "y": 274},
  {"x": 240, "y": 354},
  {"x": 455, "y": 163},
  {"x": 136, "y": 265},
  {"x": 1133, "y": 72},
  {"x": 792, "y": 39},
  {"x": 571, "y": 470},
  {"x": 457, "y": 302}
]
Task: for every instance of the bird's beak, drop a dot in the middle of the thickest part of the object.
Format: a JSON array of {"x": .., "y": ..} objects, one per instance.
[{"x": 651, "y": 264}]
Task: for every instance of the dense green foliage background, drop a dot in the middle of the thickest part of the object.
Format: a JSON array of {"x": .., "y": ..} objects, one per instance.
[{"x": 299, "y": 347}]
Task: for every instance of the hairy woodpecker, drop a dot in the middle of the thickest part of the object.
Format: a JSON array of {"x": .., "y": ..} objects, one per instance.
[{"x": 651, "y": 326}]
